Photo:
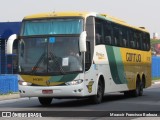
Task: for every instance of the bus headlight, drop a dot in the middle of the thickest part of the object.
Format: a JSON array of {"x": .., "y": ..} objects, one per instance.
[
  {"x": 21, "y": 82},
  {"x": 74, "y": 82}
]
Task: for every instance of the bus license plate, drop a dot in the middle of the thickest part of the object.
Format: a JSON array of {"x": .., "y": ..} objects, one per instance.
[{"x": 47, "y": 91}]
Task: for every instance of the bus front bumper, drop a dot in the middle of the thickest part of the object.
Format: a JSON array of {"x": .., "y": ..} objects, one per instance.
[{"x": 52, "y": 91}]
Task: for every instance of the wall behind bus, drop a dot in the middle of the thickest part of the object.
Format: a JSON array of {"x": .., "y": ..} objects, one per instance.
[
  {"x": 8, "y": 81},
  {"x": 155, "y": 67},
  {"x": 8, "y": 84},
  {"x": 8, "y": 62}
]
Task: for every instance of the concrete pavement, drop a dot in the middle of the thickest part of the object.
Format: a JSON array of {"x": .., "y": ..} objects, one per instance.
[{"x": 155, "y": 81}]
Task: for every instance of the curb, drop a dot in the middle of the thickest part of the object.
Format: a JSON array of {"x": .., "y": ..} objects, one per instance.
[
  {"x": 155, "y": 81},
  {"x": 9, "y": 96}
]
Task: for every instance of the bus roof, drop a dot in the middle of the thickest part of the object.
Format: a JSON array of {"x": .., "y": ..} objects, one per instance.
[
  {"x": 82, "y": 14},
  {"x": 57, "y": 14},
  {"x": 119, "y": 21}
]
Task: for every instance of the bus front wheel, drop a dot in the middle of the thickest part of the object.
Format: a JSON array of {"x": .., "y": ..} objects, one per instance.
[
  {"x": 45, "y": 100},
  {"x": 100, "y": 92}
]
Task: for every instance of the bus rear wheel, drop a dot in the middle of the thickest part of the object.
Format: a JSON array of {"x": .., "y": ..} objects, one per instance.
[
  {"x": 137, "y": 92},
  {"x": 139, "y": 89},
  {"x": 45, "y": 100}
]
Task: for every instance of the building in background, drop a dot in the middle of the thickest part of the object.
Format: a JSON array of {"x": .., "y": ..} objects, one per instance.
[
  {"x": 156, "y": 47},
  {"x": 155, "y": 44},
  {"x": 8, "y": 63},
  {"x": 155, "y": 36}
]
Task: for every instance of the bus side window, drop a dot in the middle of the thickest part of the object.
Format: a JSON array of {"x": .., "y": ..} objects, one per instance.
[
  {"x": 138, "y": 41},
  {"x": 135, "y": 39},
  {"x": 98, "y": 38},
  {"x": 99, "y": 31},
  {"x": 124, "y": 42},
  {"x": 124, "y": 37},
  {"x": 131, "y": 39},
  {"x": 121, "y": 37},
  {"x": 116, "y": 35},
  {"x": 88, "y": 56},
  {"x": 132, "y": 44},
  {"x": 115, "y": 41},
  {"x": 146, "y": 41},
  {"x": 107, "y": 40},
  {"x": 107, "y": 33}
]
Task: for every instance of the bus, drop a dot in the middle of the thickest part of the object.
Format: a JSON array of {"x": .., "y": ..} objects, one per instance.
[{"x": 81, "y": 54}]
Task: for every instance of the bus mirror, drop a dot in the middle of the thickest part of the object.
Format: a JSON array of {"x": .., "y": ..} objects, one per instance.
[
  {"x": 10, "y": 43},
  {"x": 82, "y": 41}
]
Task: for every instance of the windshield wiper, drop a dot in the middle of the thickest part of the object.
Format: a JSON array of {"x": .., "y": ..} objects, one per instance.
[
  {"x": 54, "y": 58},
  {"x": 34, "y": 69}
]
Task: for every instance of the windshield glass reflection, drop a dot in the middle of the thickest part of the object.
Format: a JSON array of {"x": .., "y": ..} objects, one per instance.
[{"x": 55, "y": 55}]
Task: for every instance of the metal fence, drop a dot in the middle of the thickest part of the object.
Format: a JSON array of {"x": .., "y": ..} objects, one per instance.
[{"x": 8, "y": 84}]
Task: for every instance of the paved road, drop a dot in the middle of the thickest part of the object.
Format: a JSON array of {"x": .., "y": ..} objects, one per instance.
[{"x": 150, "y": 101}]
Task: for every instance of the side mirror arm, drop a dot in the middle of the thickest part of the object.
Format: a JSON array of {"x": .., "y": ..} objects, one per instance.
[{"x": 10, "y": 42}]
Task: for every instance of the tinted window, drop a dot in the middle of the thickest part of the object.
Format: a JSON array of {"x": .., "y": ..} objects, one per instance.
[
  {"x": 110, "y": 33},
  {"x": 99, "y": 29}
]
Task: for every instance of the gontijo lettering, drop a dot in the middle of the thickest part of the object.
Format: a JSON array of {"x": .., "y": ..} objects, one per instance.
[{"x": 133, "y": 57}]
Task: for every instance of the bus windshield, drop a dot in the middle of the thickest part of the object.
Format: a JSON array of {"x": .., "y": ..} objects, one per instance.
[
  {"x": 49, "y": 55},
  {"x": 52, "y": 26}
]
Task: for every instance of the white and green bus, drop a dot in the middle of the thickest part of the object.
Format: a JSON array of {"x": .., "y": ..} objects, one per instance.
[{"x": 77, "y": 54}]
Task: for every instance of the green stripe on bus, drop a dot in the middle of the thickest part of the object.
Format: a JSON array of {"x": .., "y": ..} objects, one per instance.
[
  {"x": 63, "y": 78},
  {"x": 116, "y": 64},
  {"x": 120, "y": 65},
  {"x": 69, "y": 77},
  {"x": 56, "y": 78}
]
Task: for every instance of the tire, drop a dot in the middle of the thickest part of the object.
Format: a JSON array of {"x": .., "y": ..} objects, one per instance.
[
  {"x": 137, "y": 92},
  {"x": 100, "y": 92},
  {"x": 45, "y": 100},
  {"x": 141, "y": 89},
  {"x": 127, "y": 93}
]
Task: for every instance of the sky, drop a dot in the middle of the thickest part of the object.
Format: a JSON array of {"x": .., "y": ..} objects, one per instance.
[{"x": 135, "y": 12}]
